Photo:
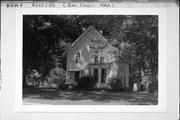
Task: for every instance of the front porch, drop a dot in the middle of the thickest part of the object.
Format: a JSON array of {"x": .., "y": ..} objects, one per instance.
[{"x": 99, "y": 72}]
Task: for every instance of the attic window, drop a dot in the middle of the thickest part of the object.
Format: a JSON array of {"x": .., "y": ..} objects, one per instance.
[{"x": 77, "y": 57}]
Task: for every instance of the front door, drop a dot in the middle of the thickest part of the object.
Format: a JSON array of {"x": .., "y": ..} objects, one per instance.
[
  {"x": 77, "y": 73},
  {"x": 103, "y": 75}
]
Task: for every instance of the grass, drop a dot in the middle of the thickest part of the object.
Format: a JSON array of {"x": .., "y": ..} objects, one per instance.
[{"x": 65, "y": 97}]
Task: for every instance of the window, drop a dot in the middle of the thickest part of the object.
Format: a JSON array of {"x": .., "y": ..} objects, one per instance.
[
  {"x": 103, "y": 78},
  {"x": 101, "y": 59},
  {"x": 77, "y": 57},
  {"x": 96, "y": 59}
]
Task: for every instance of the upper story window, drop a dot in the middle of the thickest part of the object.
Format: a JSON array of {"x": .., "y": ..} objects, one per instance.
[
  {"x": 96, "y": 59},
  {"x": 77, "y": 57},
  {"x": 101, "y": 59}
]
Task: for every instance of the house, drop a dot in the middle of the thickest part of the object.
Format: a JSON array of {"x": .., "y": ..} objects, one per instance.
[{"x": 91, "y": 54}]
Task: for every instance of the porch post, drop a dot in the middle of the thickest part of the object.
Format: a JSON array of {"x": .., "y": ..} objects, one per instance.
[
  {"x": 99, "y": 75},
  {"x": 92, "y": 72},
  {"x": 107, "y": 74}
]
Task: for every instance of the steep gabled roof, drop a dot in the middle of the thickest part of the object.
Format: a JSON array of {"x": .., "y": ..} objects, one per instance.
[{"x": 84, "y": 33}]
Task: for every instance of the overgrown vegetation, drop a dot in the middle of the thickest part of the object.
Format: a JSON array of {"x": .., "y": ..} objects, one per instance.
[
  {"x": 116, "y": 85},
  {"x": 85, "y": 83}
]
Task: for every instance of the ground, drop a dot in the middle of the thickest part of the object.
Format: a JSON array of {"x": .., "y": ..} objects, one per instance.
[{"x": 66, "y": 97}]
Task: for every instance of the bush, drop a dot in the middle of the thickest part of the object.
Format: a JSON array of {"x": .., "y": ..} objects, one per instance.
[
  {"x": 32, "y": 78},
  {"x": 116, "y": 85},
  {"x": 153, "y": 86},
  {"x": 86, "y": 83},
  {"x": 58, "y": 77}
]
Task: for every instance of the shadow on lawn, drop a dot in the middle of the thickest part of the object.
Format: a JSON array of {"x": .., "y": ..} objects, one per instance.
[{"x": 139, "y": 98}]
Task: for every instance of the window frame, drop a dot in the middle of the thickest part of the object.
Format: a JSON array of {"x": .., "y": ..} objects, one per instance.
[{"x": 77, "y": 56}]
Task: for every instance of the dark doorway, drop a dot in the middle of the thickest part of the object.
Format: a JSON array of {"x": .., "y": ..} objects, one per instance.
[
  {"x": 104, "y": 73},
  {"x": 77, "y": 73}
]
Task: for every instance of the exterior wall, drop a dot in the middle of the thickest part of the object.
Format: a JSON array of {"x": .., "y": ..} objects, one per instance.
[
  {"x": 83, "y": 45},
  {"x": 70, "y": 78}
]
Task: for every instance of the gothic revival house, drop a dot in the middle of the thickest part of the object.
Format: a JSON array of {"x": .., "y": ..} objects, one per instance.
[{"x": 91, "y": 54}]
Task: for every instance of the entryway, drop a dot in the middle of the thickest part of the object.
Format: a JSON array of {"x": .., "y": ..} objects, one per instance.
[
  {"x": 77, "y": 75},
  {"x": 100, "y": 75}
]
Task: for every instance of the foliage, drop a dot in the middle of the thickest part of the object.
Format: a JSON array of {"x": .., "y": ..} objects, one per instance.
[
  {"x": 116, "y": 84},
  {"x": 140, "y": 35},
  {"x": 58, "y": 76},
  {"x": 134, "y": 78},
  {"x": 32, "y": 78},
  {"x": 46, "y": 37},
  {"x": 33, "y": 73},
  {"x": 85, "y": 83},
  {"x": 153, "y": 86}
]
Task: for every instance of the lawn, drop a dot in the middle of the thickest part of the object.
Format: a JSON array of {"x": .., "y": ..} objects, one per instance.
[{"x": 66, "y": 97}]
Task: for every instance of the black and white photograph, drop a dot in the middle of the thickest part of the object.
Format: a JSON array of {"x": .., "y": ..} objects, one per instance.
[{"x": 90, "y": 59}]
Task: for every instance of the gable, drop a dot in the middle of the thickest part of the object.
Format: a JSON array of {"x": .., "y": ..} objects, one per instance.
[
  {"x": 86, "y": 48},
  {"x": 89, "y": 33}
]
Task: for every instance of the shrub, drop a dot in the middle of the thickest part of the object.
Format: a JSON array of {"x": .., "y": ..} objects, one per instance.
[
  {"x": 32, "y": 78},
  {"x": 86, "y": 83},
  {"x": 116, "y": 84},
  {"x": 153, "y": 86},
  {"x": 58, "y": 77}
]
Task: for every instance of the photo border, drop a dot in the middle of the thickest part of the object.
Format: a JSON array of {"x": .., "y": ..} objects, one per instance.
[{"x": 162, "y": 60}]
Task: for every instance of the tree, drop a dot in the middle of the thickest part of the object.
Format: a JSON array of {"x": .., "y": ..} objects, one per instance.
[
  {"x": 46, "y": 37},
  {"x": 141, "y": 32}
]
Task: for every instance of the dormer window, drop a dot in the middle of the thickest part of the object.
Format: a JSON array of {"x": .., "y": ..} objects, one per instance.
[{"x": 77, "y": 57}]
